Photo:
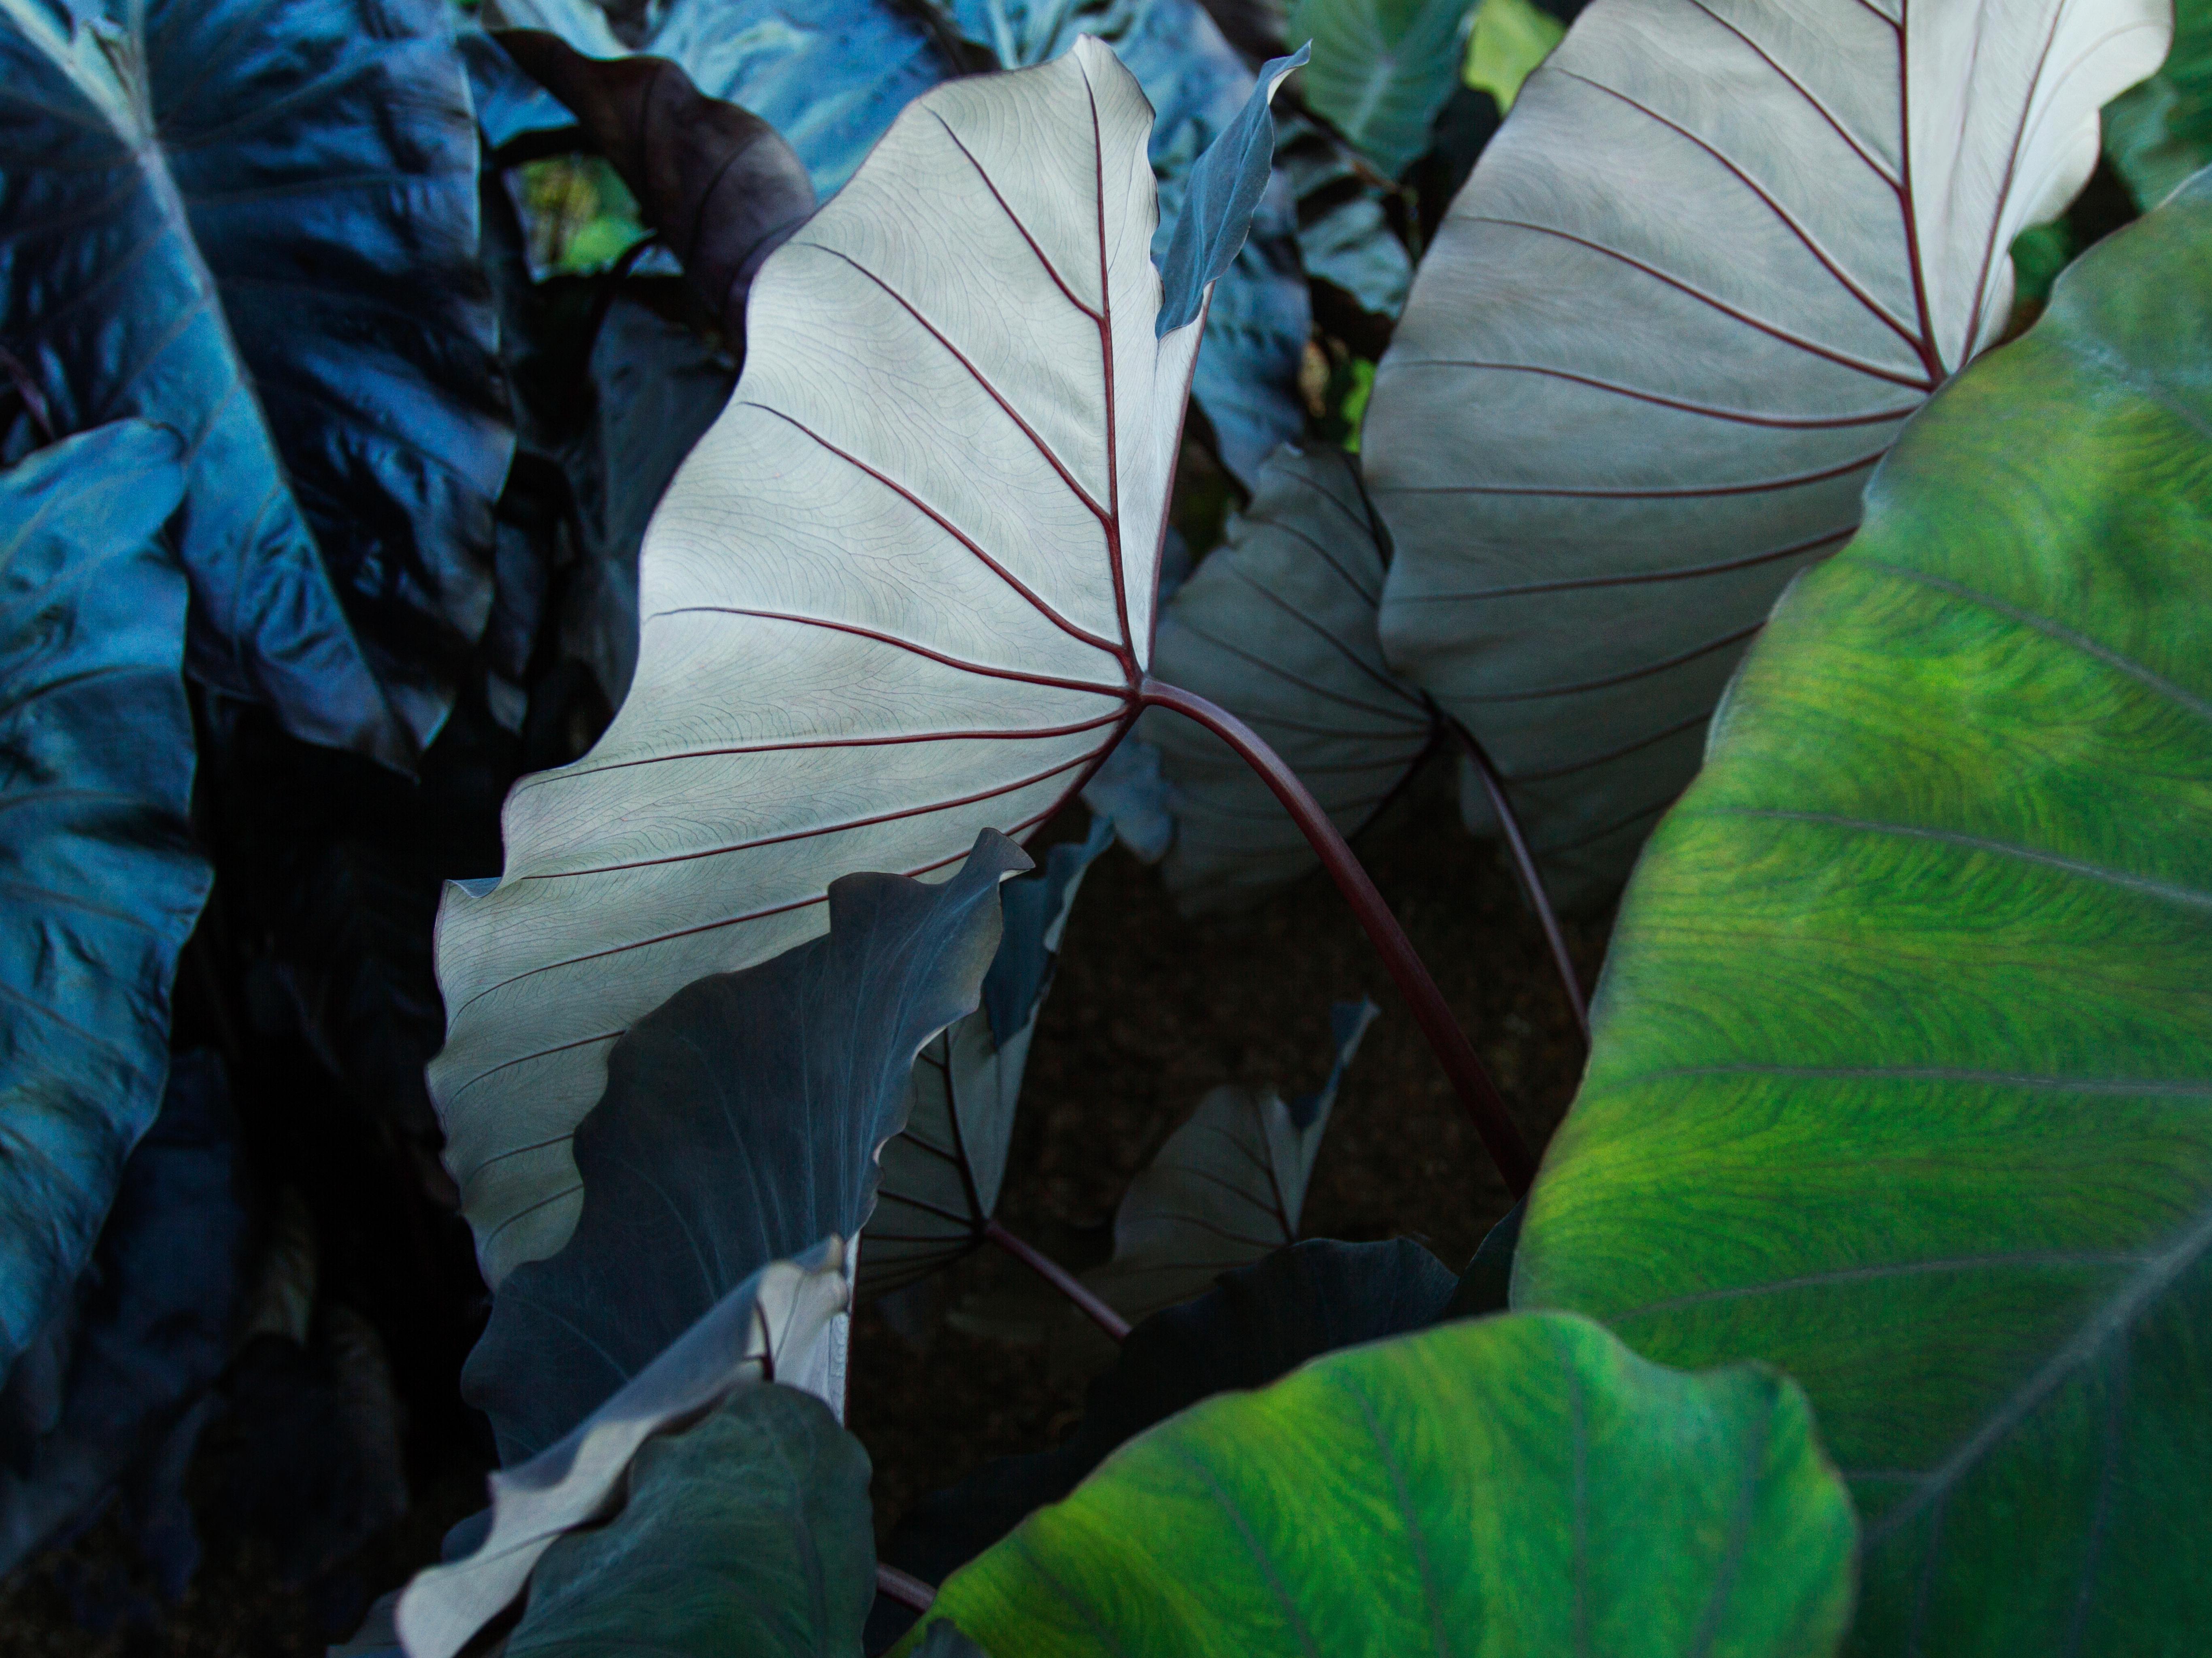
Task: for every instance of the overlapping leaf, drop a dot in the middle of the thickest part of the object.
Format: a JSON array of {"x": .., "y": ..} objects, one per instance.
[
  {"x": 942, "y": 1172},
  {"x": 1381, "y": 69},
  {"x": 2159, "y": 133},
  {"x": 1277, "y": 626},
  {"x": 902, "y": 591},
  {"x": 742, "y": 1120},
  {"x": 1905, "y": 1044},
  {"x": 1716, "y": 256},
  {"x": 257, "y": 224},
  {"x": 1518, "y": 1486},
  {"x": 101, "y": 879}
]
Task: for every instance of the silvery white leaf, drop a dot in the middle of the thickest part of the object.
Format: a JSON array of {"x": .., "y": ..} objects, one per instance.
[{"x": 1711, "y": 263}]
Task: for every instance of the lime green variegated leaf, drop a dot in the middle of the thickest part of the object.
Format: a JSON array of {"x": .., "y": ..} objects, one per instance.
[
  {"x": 1508, "y": 39},
  {"x": 1278, "y": 627},
  {"x": 1518, "y": 1487},
  {"x": 901, "y": 591},
  {"x": 1718, "y": 254},
  {"x": 1904, "y": 1054}
]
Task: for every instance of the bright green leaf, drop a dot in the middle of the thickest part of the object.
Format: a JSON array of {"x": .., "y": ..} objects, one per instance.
[
  {"x": 1489, "y": 1489},
  {"x": 1509, "y": 40},
  {"x": 1904, "y": 1054}
]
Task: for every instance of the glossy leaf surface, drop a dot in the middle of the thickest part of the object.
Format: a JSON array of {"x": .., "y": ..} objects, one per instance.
[
  {"x": 747, "y": 1533},
  {"x": 257, "y": 224},
  {"x": 1256, "y": 1325},
  {"x": 1518, "y": 1486},
  {"x": 891, "y": 599},
  {"x": 1905, "y": 1042},
  {"x": 1713, "y": 259},
  {"x": 742, "y": 1120},
  {"x": 942, "y": 1172},
  {"x": 1226, "y": 1189},
  {"x": 1381, "y": 70},
  {"x": 780, "y": 1324},
  {"x": 1278, "y": 627},
  {"x": 101, "y": 880}
]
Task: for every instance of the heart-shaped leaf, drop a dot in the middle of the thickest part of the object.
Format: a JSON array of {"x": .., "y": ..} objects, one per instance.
[
  {"x": 1381, "y": 69},
  {"x": 258, "y": 226},
  {"x": 942, "y": 1172},
  {"x": 720, "y": 185},
  {"x": 747, "y": 1533},
  {"x": 1519, "y": 1485},
  {"x": 1278, "y": 627},
  {"x": 1257, "y": 1324},
  {"x": 742, "y": 1120},
  {"x": 780, "y": 1324},
  {"x": 902, "y": 591},
  {"x": 1226, "y": 1189},
  {"x": 1711, "y": 263},
  {"x": 1910, "y": 1004},
  {"x": 102, "y": 884}
]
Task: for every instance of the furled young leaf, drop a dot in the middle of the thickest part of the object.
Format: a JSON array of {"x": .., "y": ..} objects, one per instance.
[
  {"x": 1226, "y": 1189},
  {"x": 748, "y": 1534},
  {"x": 779, "y": 1324},
  {"x": 1258, "y": 1324},
  {"x": 102, "y": 884},
  {"x": 2159, "y": 133},
  {"x": 1246, "y": 382},
  {"x": 151, "y": 1327},
  {"x": 1277, "y": 626},
  {"x": 257, "y": 224},
  {"x": 1518, "y": 1486},
  {"x": 1381, "y": 69},
  {"x": 742, "y": 1120},
  {"x": 1906, "y": 1038},
  {"x": 941, "y": 1173},
  {"x": 715, "y": 181},
  {"x": 896, "y": 595},
  {"x": 1712, "y": 261}
]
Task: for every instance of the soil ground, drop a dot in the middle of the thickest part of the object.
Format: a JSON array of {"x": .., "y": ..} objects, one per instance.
[{"x": 1148, "y": 1012}]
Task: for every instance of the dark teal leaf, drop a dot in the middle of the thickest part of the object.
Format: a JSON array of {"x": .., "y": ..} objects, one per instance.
[
  {"x": 1223, "y": 190},
  {"x": 740, "y": 1123},
  {"x": 119, "y": 1374},
  {"x": 101, "y": 880},
  {"x": 748, "y": 1535},
  {"x": 257, "y": 223},
  {"x": 1259, "y": 1323}
]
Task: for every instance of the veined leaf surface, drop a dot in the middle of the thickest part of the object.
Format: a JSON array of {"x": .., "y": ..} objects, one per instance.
[
  {"x": 1381, "y": 69},
  {"x": 901, "y": 592},
  {"x": 1719, "y": 253},
  {"x": 1904, "y": 1054}
]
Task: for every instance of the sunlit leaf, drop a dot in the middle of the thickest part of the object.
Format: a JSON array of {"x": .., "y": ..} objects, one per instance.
[
  {"x": 1521, "y": 1486},
  {"x": 1277, "y": 626},
  {"x": 257, "y": 224},
  {"x": 1509, "y": 40},
  {"x": 1905, "y": 1042},
  {"x": 896, "y": 595},
  {"x": 101, "y": 881},
  {"x": 1709, "y": 266}
]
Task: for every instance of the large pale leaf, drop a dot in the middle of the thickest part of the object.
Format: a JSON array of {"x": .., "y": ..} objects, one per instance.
[
  {"x": 742, "y": 1120},
  {"x": 1381, "y": 69},
  {"x": 1904, "y": 1049},
  {"x": 748, "y": 1534},
  {"x": 901, "y": 591},
  {"x": 101, "y": 879},
  {"x": 1255, "y": 1326},
  {"x": 1255, "y": 333},
  {"x": 256, "y": 223},
  {"x": 1277, "y": 626},
  {"x": 1226, "y": 1189},
  {"x": 1513, "y": 1487},
  {"x": 779, "y": 1324},
  {"x": 1716, "y": 257},
  {"x": 942, "y": 1173}
]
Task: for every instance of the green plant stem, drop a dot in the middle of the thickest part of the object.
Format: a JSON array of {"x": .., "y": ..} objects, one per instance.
[
  {"x": 1086, "y": 1301},
  {"x": 1485, "y": 1106}
]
